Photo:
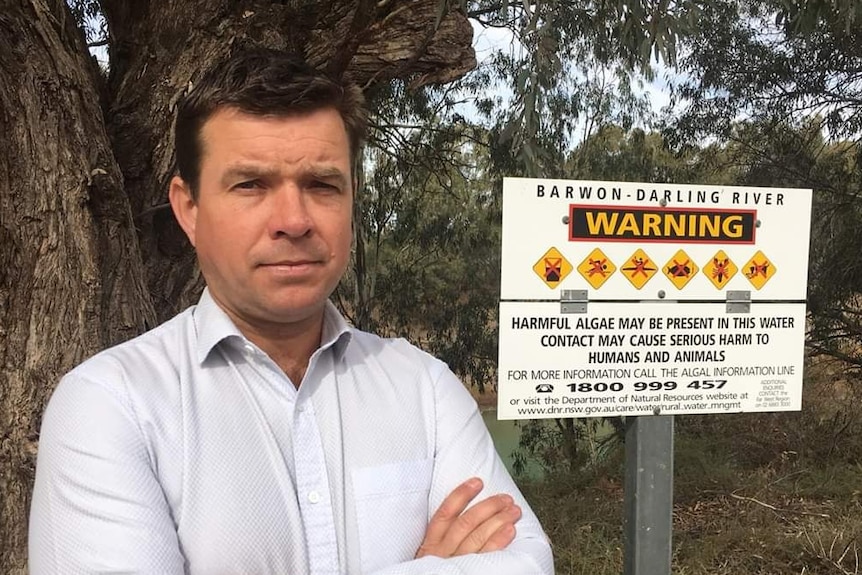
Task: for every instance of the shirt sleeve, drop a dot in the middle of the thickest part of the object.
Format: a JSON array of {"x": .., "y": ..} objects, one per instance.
[
  {"x": 97, "y": 503},
  {"x": 464, "y": 449}
]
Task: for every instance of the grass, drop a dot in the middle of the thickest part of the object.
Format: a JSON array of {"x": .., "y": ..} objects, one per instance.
[{"x": 754, "y": 494}]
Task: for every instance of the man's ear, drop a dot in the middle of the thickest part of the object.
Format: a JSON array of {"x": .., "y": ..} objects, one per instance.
[{"x": 184, "y": 206}]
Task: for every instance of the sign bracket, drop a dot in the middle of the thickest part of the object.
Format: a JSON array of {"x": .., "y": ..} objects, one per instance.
[
  {"x": 738, "y": 301},
  {"x": 574, "y": 301}
]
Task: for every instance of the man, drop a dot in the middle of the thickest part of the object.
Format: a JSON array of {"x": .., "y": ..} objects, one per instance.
[{"x": 256, "y": 432}]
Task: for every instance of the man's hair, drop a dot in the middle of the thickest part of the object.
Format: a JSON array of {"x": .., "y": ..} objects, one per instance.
[{"x": 263, "y": 82}]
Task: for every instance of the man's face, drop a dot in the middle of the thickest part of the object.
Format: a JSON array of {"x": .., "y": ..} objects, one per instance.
[{"x": 272, "y": 221}]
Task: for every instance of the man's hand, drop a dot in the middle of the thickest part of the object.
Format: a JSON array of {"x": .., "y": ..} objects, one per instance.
[{"x": 487, "y": 526}]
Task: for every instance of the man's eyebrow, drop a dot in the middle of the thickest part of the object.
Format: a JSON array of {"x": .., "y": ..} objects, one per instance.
[
  {"x": 246, "y": 172},
  {"x": 239, "y": 172},
  {"x": 328, "y": 173}
]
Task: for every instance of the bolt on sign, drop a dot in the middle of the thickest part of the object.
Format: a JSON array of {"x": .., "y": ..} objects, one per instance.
[{"x": 688, "y": 298}]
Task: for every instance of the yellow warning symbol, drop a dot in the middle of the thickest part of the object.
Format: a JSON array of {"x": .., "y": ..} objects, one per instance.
[
  {"x": 759, "y": 270},
  {"x": 639, "y": 269},
  {"x": 720, "y": 269},
  {"x": 553, "y": 267},
  {"x": 680, "y": 269},
  {"x": 597, "y": 268}
]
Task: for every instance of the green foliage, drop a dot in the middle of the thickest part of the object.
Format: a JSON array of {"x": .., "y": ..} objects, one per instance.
[
  {"x": 780, "y": 82},
  {"x": 561, "y": 446},
  {"x": 773, "y": 61},
  {"x": 776, "y": 154},
  {"x": 614, "y": 153},
  {"x": 808, "y": 16},
  {"x": 428, "y": 224},
  {"x": 572, "y": 68}
]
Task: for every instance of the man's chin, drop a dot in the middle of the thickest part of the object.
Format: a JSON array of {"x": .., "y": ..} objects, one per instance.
[{"x": 293, "y": 312}]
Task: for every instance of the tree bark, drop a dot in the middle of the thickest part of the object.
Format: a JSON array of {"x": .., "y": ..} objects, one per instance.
[{"x": 71, "y": 278}]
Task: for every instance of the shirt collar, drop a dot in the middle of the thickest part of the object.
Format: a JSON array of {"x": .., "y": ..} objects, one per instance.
[
  {"x": 336, "y": 331},
  {"x": 212, "y": 326}
]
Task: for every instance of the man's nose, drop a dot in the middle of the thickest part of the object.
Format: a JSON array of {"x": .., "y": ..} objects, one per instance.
[{"x": 290, "y": 216}]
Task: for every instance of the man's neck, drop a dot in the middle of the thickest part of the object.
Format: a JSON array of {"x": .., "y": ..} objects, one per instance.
[{"x": 289, "y": 346}]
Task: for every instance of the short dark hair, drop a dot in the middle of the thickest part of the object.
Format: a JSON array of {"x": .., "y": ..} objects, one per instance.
[{"x": 265, "y": 82}]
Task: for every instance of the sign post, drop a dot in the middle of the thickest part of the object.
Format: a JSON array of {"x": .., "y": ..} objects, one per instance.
[
  {"x": 647, "y": 301},
  {"x": 648, "y": 495}
]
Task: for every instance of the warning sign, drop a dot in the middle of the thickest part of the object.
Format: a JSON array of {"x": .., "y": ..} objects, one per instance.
[
  {"x": 597, "y": 268},
  {"x": 577, "y": 217},
  {"x": 759, "y": 270},
  {"x": 720, "y": 269},
  {"x": 680, "y": 269},
  {"x": 639, "y": 269},
  {"x": 647, "y": 359},
  {"x": 553, "y": 267},
  {"x": 651, "y": 323},
  {"x": 679, "y": 225}
]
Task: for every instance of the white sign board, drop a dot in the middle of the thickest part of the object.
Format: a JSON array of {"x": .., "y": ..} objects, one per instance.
[{"x": 654, "y": 266}]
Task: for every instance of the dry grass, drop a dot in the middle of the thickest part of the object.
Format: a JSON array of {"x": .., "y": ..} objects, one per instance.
[{"x": 754, "y": 494}]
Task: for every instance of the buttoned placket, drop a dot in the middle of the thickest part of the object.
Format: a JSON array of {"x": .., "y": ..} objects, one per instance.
[
  {"x": 312, "y": 486},
  {"x": 309, "y": 463}
]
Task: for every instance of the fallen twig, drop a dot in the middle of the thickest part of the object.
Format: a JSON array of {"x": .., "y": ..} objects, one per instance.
[{"x": 778, "y": 509}]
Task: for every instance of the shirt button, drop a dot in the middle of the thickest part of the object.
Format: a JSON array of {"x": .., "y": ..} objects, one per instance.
[{"x": 314, "y": 497}]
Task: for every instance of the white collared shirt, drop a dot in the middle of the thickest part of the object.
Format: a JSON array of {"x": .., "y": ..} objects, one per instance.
[{"x": 188, "y": 451}]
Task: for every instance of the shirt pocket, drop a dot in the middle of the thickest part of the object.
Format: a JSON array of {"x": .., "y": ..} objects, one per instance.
[{"x": 391, "y": 511}]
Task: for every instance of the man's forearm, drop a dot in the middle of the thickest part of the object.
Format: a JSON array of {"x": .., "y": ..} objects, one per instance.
[{"x": 522, "y": 557}]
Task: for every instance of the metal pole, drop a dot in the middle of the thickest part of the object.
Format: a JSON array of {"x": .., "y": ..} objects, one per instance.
[{"x": 648, "y": 495}]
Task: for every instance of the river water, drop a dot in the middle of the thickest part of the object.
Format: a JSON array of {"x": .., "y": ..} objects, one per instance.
[{"x": 506, "y": 435}]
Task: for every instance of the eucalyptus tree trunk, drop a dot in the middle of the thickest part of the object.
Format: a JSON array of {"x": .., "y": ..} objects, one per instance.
[
  {"x": 89, "y": 252},
  {"x": 71, "y": 278}
]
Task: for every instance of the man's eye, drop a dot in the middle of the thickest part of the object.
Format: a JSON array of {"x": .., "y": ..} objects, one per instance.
[
  {"x": 323, "y": 186},
  {"x": 248, "y": 185}
]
